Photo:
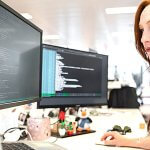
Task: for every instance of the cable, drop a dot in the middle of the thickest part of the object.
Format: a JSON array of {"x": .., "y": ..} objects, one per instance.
[
  {"x": 13, "y": 128},
  {"x": 29, "y": 135},
  {"x": 54, "y": 140},
  {"x": 55, "y": 122}
]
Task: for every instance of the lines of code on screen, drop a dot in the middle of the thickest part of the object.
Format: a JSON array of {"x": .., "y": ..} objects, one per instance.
[
  {"x": 19, "y": 58},
  {"x": 70, "y": 74}
]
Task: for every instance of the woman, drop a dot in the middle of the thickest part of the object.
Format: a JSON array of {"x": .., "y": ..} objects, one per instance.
[{"x": 142, "y": 40}]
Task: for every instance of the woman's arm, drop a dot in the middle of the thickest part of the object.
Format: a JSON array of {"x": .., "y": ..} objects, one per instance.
[
  {"x": 120, "y": 140},
  {"x": 139, "y": 142}
]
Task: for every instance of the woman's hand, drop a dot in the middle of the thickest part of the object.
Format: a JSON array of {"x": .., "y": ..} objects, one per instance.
[{"x": 114, "y": 139}]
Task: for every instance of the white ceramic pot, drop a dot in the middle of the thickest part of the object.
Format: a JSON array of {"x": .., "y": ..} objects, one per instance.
[{"x": 62, "y": 131}]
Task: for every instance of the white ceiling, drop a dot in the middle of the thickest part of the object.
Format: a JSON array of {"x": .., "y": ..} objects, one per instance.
[{"x": 81, "y": 24}]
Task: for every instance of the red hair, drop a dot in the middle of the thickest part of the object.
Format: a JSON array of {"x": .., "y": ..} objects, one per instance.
[{"x": 137, "y": 31}]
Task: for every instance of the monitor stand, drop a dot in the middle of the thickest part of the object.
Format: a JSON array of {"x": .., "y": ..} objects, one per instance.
[{"x": 68, "y": 133}]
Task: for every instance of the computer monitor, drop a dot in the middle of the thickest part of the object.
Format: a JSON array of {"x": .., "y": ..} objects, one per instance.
[
  {"x": 73, "y": 78},
  {"x": 20, "y": 52}
]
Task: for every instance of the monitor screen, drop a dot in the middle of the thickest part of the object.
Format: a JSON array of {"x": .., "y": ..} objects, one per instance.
[
  {"x": 20, "y": 52},
  {"x": 73, "y": 78}
]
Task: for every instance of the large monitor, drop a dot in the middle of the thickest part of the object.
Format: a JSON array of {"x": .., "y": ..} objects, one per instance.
[
  {"x": 73, "y": 78},
  {"x": 20, "y": 52}
]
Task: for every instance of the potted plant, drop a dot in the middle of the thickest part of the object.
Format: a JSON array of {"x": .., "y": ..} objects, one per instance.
[
  {"x": 62, "y": 129},
  {"x": 70, "y": 129}
]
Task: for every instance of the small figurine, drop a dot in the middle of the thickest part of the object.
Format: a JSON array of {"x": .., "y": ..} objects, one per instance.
[{"x": 83, "y": 121}]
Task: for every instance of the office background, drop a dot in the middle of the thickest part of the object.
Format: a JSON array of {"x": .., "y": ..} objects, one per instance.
[{"x": 93, "y": 25}]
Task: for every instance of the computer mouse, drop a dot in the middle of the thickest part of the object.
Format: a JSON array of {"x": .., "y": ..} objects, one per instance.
[{"x": 108, "y": 138}]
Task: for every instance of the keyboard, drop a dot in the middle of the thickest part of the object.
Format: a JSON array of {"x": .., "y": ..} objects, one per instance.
[{"x": 15, "y": 146}]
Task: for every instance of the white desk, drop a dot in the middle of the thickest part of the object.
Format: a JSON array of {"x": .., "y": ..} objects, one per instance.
[{"x": 106, "y": 120}]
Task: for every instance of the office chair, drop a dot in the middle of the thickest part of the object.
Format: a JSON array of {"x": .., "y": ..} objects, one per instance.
[{"x": 125, "y": 97}]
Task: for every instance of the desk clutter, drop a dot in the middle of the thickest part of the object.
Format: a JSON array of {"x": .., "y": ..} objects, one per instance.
[
  {"x": 68, "y": 129},
  {"x": 103, "y": 119},
  {"x": 80, "y": 124}
]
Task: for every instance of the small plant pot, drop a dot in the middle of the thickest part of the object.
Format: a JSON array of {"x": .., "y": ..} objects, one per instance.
[
  {"x": 62, "y": 131},
  {"x": 70, "y": 132}
]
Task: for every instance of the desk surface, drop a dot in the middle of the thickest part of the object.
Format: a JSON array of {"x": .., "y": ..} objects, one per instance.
[{"x": 106, "y": 120}]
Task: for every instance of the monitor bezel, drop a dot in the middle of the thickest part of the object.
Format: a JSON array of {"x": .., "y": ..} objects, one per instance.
[
  {"x": 15, "y": 13},
  {"x": 75, "y": 98}
]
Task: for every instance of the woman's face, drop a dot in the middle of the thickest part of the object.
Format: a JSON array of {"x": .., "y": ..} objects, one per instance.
[{"x": 144, "y": 26}]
